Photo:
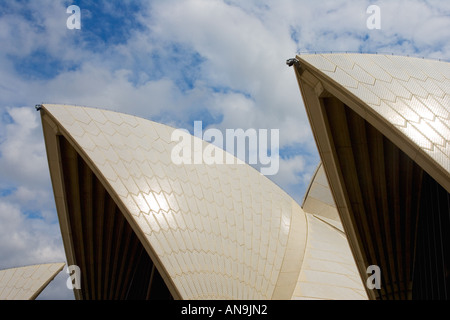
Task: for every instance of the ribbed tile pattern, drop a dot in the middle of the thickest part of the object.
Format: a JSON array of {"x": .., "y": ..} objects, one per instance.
[
  {"x": 412, "y": 94},
  {"x": 25, "y": 283},
  {"x": 220, "y": 231},
  {"x": 328, "y": 271},
  {"x": 319, "y": 200}
]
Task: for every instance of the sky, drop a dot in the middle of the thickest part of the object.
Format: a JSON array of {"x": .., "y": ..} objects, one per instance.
[{"x": 222, "y": 62}]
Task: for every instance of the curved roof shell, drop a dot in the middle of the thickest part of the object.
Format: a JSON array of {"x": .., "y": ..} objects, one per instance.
[
  {"x": 408, "y": 99},
  {"x": 26, "y": 283},
  {"x": 328, "y": 269},
  {"x": 136, "y": 222},
  {"x": 318, "y": 198},
  {"x": 382, "y": 127},
  {"x": 212, "y": 231}
]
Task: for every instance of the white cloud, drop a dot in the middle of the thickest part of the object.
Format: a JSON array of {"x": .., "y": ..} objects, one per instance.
[
  {"x": 289, "y": 168},
  {"x": 23, "y": 160},
  {"x": 26, "y": 241}
]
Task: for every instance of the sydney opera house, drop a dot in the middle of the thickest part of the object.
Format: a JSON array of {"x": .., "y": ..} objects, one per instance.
[{"x": 140, "y": 226}]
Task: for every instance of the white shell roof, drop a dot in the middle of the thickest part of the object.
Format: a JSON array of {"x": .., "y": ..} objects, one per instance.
[
  {"x": 26, "y": 283},
  {"x": 319, "y": 200},
  {"x": 411, "y": 94},
  {"x": 219, "y": 231},
  {"x": 224, "y": 228},
  {"x": 328, "y": 271}
]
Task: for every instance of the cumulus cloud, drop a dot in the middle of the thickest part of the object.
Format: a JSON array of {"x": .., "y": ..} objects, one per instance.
[{"x": 27, "y": 241}]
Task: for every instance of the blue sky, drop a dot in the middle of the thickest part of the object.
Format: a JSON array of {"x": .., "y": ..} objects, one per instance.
[{"x": 218, "y": 61}]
